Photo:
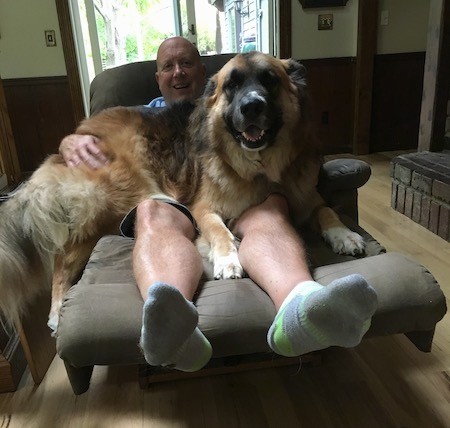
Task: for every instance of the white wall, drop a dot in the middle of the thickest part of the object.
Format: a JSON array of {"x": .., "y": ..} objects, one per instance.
[
  {"x": 407, "y": 27},
  {"x": 308, "y": 42},
  {"x": 406, "y": 30},
  {"x": 23, "y": 52}
]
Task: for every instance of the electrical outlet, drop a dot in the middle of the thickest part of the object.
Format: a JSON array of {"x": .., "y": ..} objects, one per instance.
[
  {"x": 50, "y": 38},
  {"x": 325, "y": 22}
]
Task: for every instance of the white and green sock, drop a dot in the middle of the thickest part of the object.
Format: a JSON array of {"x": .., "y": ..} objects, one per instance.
[
  {"x": 169, "y": 334},
  {"x": 314, "y": 317}
]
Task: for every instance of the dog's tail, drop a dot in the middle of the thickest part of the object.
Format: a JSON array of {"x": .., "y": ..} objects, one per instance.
[
  {"x": 35, "y": 224},
  {"x": 30, "y": 234}
]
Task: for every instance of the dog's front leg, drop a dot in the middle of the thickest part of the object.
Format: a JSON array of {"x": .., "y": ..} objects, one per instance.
[
  {"x": 339, "y": 236},
  {"x": 222, "y": 247}
]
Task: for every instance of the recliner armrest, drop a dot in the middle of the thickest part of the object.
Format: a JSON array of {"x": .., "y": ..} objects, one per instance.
[
  {"x": 343, "y": 174},
  {"x": 339, "y": 180}
]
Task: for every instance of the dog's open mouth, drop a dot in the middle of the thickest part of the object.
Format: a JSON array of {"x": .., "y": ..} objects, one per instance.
[{"x": 253, "y": 138}]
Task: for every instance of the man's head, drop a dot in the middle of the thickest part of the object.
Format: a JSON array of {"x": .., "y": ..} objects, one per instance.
[{"x": 180, "y": 72}]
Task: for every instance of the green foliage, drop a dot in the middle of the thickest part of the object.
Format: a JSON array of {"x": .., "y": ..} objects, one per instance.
[
  {"x": 151, "y": 41},
  {"x": 101, "y": 31},
  {"x": 131, "y": 50},
  {"x": 151, "y": 37},
  {"x": 205, "y": 43}
]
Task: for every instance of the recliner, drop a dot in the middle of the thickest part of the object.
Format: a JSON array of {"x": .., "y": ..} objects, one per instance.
[{"x": 100, "y": 318}]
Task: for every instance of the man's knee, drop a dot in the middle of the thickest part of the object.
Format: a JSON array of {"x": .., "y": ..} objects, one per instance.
[
  {"x": 153, "y": 215},
  {"x": 273, "y": 211},
  {"x": 278, "y": 204}
]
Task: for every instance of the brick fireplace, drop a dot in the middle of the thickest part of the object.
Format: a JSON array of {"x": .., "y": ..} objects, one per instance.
[{"x": 421, "y": 189}]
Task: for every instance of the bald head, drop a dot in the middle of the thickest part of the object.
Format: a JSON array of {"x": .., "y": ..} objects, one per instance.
[{"x": 180, "y": 72}]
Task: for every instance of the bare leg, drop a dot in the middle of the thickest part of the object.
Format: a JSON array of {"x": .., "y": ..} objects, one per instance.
[
  {"x": 271, "y": 251},
  {"x": 310, "y": 316},
  {"x": 167, "y": 268},
  {"x": 164, "y": 251}
]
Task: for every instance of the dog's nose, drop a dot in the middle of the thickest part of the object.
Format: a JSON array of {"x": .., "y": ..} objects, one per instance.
[{"x": 252, "y": 106}]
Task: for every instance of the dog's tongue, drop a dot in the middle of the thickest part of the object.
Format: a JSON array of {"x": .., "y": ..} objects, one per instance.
[{"x": 253, "y": 133}]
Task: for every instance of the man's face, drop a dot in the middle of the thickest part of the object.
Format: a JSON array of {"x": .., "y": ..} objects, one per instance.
[{"x": 180, "y": 75}]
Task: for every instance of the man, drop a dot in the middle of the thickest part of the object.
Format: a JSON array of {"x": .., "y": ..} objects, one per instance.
[
  {"x": 168, "y": 267},
  {"x": 180, "y": 75}
]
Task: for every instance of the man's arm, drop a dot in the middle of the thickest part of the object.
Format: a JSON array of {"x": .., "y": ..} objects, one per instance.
[{"x": 82, "y": 149}]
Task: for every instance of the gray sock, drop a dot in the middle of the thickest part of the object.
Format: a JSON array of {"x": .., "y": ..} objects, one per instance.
[
  {"x": 169, "y": 334},
  {"x": 314, "y": 317}
]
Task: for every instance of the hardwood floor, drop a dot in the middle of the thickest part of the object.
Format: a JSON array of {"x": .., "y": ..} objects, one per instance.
[{"x": 384, "y": 382}]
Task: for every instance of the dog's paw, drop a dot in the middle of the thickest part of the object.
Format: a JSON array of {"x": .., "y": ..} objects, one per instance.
[
  {"x": 344, "y": 241},
  {"x": 52, "y": 322},
  {"x": 227, "y": 267}
]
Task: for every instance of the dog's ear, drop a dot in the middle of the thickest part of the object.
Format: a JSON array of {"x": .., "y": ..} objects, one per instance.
[
  {"x": 210, "y": 88},
  {"x": 210, "y": 92},
  {"x": 297, "y": 75},
  {"x": 296, "y": 72}
]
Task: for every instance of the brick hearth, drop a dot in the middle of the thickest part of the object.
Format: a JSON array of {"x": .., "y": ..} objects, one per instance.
[{"x": 421, "y": 189}]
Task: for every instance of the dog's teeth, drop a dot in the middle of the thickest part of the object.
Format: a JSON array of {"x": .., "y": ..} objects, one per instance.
[{"x": 253, "y": 133}]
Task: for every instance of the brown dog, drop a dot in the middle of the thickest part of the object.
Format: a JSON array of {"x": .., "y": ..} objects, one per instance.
[{"x": 246, "y": 137}]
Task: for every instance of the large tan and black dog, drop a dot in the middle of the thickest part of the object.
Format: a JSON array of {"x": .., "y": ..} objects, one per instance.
[{"x": 247, "y": 136}]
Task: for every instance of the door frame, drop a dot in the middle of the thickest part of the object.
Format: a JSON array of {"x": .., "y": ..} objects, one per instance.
[
  {"x": 70, "y": 56},
  {"x": 9, "y": 161}
]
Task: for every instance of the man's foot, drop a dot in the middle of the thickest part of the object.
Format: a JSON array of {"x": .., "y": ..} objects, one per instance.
[
  {"x": 314, "y": 317},
  {"x": 169, "y": 335}
]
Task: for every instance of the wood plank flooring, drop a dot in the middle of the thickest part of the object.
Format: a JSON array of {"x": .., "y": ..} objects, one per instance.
[{"x": 385, "y": 382}]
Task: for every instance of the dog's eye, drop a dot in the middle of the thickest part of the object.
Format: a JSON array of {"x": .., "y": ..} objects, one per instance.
[
  {"x": 235, "y": 79},
  {"x": 230, "y": 84},
  {"x": 268, "y": 78}
]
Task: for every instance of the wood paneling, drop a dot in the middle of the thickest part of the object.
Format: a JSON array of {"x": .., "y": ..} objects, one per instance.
[
  {"x": 330, "y": 83},
  {"x": 285, "y": 22},
  {"x": 41, "y": 114},
  {"x": 437, "y": 78},
  {"x": 9, "y": 163},
  {"x": 12, "y": 363},
  {"x": 397, "y": 95},
  {"x": 38, "y": 345},
  {"x": 367, "y": 45}
]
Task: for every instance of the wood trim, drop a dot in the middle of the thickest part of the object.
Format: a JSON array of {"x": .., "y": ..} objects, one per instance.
[
  {"x": 34, "y": 81},
  {"x": 149, "y": 375},
  {"x": 9, "y": 161},
  {"x": 306, "y": 4},
  {"x": 38, "y": 345},
  {"x": 285, "y": 22},
  {"x": 12, "y": 364},
  {"x": 70, "y": 57},
  {"x": 366, "y": 50},
  {"x": 436, "y": 78}
]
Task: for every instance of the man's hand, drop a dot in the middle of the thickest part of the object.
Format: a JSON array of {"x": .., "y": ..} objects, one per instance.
[{"x": 82, "y": 149}]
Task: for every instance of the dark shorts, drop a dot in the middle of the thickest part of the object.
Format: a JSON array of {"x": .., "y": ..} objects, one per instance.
[{"x": 127, "y": 224}]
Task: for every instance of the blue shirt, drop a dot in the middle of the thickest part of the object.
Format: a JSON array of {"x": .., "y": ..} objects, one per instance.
[{"x": 157, "y": 102}]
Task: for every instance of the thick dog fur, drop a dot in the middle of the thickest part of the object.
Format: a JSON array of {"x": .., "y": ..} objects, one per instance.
[{"x": 246, "y": 137}]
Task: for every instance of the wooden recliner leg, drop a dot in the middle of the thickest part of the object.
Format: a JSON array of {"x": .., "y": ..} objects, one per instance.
[
  {"x": 79, "y": 377},
  {"x": 422, "y": 340}
]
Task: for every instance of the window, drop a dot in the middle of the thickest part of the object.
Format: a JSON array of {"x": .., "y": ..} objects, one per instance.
[{"x": 113, "y": 32}]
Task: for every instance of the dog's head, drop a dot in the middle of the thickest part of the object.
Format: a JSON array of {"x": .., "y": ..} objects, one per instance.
[{"x": 256, "y": 95}]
